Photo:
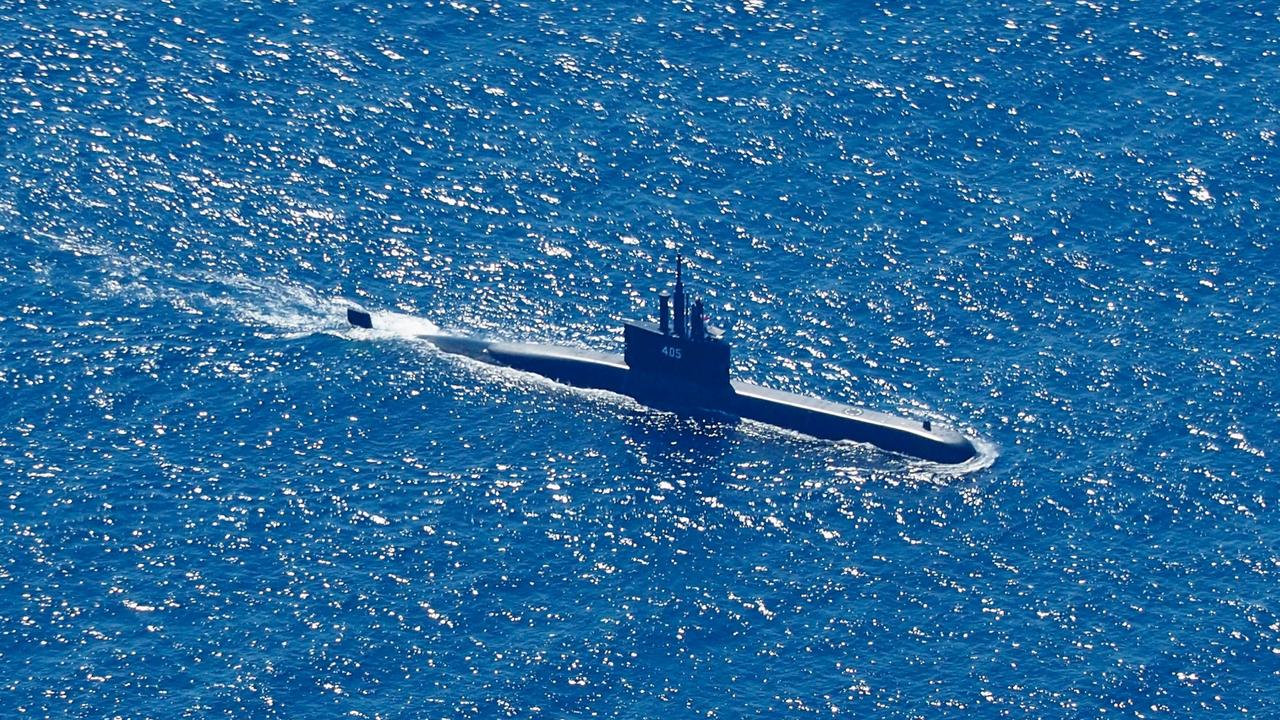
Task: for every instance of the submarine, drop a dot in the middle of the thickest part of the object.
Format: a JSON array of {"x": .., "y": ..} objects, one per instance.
[{"x": 683, "y": 362}]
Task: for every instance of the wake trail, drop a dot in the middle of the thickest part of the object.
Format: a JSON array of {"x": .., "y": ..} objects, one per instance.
[
  {"x": 287, "y": 310},
  {"x": 275, "y": 307}
]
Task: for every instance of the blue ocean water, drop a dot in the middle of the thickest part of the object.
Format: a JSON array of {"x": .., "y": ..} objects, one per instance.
[{"x": 1051, "y": 225}]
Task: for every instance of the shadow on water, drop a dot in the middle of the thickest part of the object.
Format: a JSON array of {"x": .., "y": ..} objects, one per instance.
[{"x": 692, "y": 448}]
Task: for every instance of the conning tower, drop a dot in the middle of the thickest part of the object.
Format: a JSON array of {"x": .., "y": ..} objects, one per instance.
[{"x": 681, "y": 350}]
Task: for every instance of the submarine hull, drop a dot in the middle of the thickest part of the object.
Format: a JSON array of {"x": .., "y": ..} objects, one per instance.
[
  {"x": 837, "y": 421},
  {"x": 810, "y": 416}
]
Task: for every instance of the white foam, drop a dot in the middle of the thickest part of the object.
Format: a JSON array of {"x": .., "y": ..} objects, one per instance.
[
  {"x": 402, "y": 325},
  {"x": 285, "y": 310},
  {"x": 941, "y": 473}
]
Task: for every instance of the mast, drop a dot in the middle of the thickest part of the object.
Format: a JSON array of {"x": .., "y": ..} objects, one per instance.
[{"x": 681, "y": 329}]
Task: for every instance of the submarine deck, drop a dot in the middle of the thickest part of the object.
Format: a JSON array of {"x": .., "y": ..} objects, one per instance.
[
  {"x": 808, "y": 415},
  {"x": 837, "y": 421},
  {"x": 827, "y": 407}
]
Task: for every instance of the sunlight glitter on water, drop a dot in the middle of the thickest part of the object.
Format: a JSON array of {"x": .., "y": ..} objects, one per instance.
[{"x": 1049, "y": 225}]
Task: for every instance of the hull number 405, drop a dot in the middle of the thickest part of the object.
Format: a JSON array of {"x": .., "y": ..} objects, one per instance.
[{"x": 671, "y": 352}]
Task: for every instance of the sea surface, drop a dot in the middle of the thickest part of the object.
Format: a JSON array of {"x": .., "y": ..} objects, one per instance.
[{"x": 1052, "y": 225}]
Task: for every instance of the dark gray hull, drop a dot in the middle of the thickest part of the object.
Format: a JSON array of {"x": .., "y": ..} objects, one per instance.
[{"x": 810, "y": 416}]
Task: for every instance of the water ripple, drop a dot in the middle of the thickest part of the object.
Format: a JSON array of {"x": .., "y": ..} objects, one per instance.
[{"x": 1049, "y": 225}]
